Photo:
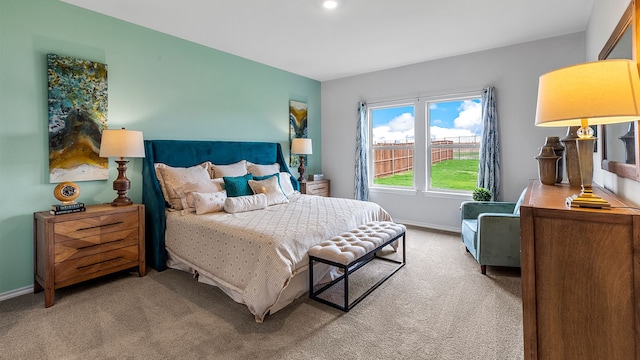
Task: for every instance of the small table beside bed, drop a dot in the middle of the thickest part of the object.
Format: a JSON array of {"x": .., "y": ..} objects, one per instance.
[{"x": 257, "y": 257}]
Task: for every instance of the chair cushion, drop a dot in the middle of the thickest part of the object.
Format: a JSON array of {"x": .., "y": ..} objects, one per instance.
[
  {"x": 470, "y": 231},
  {"x": 516, "y": 209}
]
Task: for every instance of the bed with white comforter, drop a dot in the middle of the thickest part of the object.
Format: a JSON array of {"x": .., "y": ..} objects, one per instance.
[{"x": 259, "y": 257}]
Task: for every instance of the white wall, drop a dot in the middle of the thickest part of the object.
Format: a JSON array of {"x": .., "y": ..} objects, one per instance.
[
  {"x": 513, "y": 70},
  {"x": 604, "y": 18}
]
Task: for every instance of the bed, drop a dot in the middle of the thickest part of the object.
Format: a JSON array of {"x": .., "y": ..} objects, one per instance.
[{"x": 258, "y": 258}]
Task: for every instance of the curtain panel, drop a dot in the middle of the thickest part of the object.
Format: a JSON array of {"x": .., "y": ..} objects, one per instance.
[
  {"x": 489, "y": 165},
  {"x": 361, "y": 166}
]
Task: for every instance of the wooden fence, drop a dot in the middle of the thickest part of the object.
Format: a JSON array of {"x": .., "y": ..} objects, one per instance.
[{"x": 391, "y": 159}]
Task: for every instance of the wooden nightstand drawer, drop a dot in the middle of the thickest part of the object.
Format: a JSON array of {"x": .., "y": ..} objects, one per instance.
[
  {"x": 317, "y": 187},
  {"x": 95, "y": 263},
  {"x": 72, "y": 249},
  {"x": 77, "y": 229},
  {"x": 75, "y": 247}
]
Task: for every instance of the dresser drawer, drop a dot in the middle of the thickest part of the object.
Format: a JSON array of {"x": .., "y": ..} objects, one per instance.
[
  {"x": 94, "y": 263},
  {"x": 71, "y": 249},
  {"x": 91, "y": 226}
]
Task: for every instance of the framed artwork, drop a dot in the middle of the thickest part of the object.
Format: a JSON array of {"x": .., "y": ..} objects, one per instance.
[
  {"x": 77, "y": 115},
  {"x": 297, "y": 127}
]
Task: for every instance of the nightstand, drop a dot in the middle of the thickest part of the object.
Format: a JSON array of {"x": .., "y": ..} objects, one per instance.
[
  {"x": 76, "y": 247},
  {"x": 316, "y": 187}
]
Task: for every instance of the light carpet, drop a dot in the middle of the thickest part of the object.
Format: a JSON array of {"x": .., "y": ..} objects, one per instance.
[{"x": 438, "y": 306}]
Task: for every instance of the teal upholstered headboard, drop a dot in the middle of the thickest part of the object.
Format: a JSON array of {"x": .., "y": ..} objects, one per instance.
[{"x": 185, "y": 153}]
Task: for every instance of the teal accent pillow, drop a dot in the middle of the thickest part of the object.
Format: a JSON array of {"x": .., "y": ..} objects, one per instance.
[{"x": 238, "y": 185}]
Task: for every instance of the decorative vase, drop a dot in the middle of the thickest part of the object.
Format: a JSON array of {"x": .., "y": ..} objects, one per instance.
[
  {"x": 558, "y": 149},
  {"x": 571, "y": 156},
  {"x": 629, "y": 146},
  {"x": 547, "y": 165}
]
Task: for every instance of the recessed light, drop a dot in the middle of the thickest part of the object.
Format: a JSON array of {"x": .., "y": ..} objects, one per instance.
[{"x": 330, "y": 4}]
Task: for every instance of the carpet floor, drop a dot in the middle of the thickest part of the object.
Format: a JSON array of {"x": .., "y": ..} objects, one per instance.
[{"x": 438, "y": 306}]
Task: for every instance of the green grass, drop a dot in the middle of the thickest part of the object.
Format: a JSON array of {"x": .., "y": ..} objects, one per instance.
[{"x": 448, "y": 174}]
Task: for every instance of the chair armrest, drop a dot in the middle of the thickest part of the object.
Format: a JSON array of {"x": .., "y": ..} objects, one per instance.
[{"x": 472, "y": 209}]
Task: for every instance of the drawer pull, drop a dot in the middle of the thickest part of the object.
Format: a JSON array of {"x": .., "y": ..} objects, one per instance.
[
  {"x": 99, "y": 262},
  {"x": 103, "y": 225},
  {"x": 106, "y": 242}
]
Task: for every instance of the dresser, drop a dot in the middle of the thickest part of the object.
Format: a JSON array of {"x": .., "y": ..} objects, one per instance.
[
  {"x": 579, "y": 282},
  {"x": 316, "y": 187},
  {"x": 75, "y": 247}
]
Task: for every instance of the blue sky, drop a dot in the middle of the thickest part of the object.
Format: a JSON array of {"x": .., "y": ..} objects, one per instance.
[{"x": 448, "y": 119}]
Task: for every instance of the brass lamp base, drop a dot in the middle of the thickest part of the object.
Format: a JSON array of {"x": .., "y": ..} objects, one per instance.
[{"x": 587, "y": 199}]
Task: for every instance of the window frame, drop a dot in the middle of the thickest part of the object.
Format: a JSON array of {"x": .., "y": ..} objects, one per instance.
[
  {"x": 421, "y": 146},
  {"x": 371, "y": 151},
  {"x": 473, "y": 95}
]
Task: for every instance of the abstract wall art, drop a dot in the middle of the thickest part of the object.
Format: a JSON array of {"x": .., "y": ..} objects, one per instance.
[
  {"x": 297, "y": 126},
  {"x": 77, "y": 115}
]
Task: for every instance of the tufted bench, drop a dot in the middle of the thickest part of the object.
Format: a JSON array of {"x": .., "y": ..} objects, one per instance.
[{"x": 351, "y": 251}]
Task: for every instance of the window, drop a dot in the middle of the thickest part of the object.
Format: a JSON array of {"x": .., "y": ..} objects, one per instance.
[
  {"x": 454, "y": 131},
  {"x": 448, "y": 133},
  {"x": 393, "y": 143}
]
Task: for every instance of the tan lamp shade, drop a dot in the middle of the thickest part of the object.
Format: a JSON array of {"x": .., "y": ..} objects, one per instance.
[
  {"x": 122, "y": 143},
  {"x": 603, "y": 92},
  {"x": 301, "y": 146}
]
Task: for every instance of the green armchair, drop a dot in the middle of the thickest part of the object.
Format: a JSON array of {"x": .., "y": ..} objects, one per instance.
[{"x": 491, "y": 232}]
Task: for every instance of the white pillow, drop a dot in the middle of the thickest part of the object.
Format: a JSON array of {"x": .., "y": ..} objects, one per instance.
[
  {"x": 232, "y": 170},
  {"x": 173, "y": 178},
  {"x": 209, "y": 202},
  {"x": 263, "y": 170},
  {"x": 285, "y": 184},
  {"x": 186, "y": 192},
  {"x": 245, "y": 203},
  {"x": 271, "y": 188}
]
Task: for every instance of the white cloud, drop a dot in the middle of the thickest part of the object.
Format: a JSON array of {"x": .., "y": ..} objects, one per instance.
[
  {"x": 399, "y": 129},
  {"x": 470, "y": 117},
  {"x": 457, "y": 135}
]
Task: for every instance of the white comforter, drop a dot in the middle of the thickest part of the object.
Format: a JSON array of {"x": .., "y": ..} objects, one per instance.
[{"x": 255, "y": 254}]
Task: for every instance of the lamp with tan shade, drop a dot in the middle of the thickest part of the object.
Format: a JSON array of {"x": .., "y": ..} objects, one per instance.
[
  {"x": 120, "y": 144},
  {"x": 600, "y": 92},
  {"x": 301, "y": 147}
]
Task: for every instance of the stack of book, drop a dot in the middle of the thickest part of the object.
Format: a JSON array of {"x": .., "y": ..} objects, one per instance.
[{"x": 66, "y": 208}]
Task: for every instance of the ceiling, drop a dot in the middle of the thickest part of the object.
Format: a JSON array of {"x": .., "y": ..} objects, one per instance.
[{"x": 359, "y": 36}]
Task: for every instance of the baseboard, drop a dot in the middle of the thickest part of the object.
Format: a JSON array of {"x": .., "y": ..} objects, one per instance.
[
  {"x": 427, "y": 225},
  {"x": 17, "y": 292}
]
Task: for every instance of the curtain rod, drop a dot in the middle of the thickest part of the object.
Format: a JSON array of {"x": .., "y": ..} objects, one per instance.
[{"x": 417, "y": 98}]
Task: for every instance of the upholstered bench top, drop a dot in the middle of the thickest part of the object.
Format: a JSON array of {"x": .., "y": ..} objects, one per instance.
[{"x": 352, "y": 245}]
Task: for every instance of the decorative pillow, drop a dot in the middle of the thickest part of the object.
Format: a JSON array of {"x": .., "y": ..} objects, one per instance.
[
  {"x": 262, "y": 170},
  {"x": 285, "y": 184},
  {"x": 209, "y": 202},
  {"x": 186, "y": 192},
  {"x": 245, "y": 203},
  {"x": 236, "y": 169},
  {"x": 270, "y": 188},
  {"x": 238, "y": 185},
  {"x": 173, "y": 178}
]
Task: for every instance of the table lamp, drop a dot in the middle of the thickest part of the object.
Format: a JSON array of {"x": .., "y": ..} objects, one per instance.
[
  {"x": 600, "y": 92},
  {"x": 121, "y": 143},
  {"x": 301, "y": 147}
]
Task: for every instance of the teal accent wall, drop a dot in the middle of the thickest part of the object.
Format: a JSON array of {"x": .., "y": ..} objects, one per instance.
[{"x": 164, "y": 86}]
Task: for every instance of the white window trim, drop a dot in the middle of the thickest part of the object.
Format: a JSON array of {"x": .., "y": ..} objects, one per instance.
[{"x": 421, "y": 168}]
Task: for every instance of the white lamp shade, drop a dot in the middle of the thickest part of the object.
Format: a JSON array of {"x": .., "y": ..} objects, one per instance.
[
  {"x": 301, "y": 146},
  {"x": 603, "y": 92},
  {"x": 122, "y": 143}
]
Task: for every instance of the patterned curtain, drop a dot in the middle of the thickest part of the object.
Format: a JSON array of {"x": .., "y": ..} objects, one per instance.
[
  {"x": 489, "y": 167},
  {"x": 362, "y": 173}
]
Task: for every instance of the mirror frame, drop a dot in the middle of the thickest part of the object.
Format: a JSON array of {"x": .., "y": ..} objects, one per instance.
[{"x": 629, "y": 19}]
